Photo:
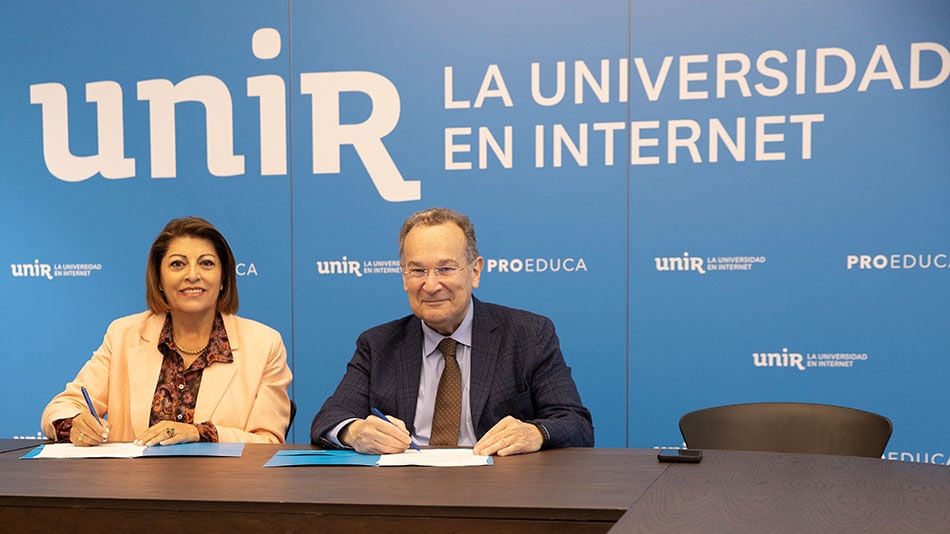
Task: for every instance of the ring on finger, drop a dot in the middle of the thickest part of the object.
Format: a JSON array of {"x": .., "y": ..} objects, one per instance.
[
  {"x": 170, "y": 431},
  {"x": 81, "y": 436}
]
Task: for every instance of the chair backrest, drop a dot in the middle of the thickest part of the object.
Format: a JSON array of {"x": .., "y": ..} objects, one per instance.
[
  {"x": 787, "y": 427},
  {"x": 293, "y": 414}
]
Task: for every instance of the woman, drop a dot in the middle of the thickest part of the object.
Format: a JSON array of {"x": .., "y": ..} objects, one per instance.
[{"x": 186, "y": 370}]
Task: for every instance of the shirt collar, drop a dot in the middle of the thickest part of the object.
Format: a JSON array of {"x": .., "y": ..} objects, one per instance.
[{"x": 462, "y": 334}]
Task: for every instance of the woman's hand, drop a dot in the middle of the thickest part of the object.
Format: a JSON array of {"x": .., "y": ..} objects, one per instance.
[
  {"x": 87, "y": 431},
  {"x": 168, "y": 433}
]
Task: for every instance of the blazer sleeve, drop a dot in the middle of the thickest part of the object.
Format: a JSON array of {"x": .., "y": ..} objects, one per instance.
[
  {"x": 70, "y": 402},
  {"x": 101, "y": 377},
  {"x": 557, "y": 403},
  {"x": 350, "y": 400}
]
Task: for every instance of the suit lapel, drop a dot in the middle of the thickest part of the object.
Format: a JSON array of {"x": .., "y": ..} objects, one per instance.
[
  {"x": 407, "y": 366},
  {"x": 143, "y": 366},
  {"x": 485, "y": 348},
  {"x": 215, "y": 379}
]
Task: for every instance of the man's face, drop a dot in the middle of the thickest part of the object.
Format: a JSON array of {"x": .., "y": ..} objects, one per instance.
[{"x": 440, "y": 300}]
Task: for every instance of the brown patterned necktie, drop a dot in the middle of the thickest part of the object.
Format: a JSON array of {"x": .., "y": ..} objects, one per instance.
[{"x": 448, "y": 400}]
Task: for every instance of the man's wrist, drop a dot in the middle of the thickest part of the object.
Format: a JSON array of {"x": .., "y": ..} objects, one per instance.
[
  {"x": 344, "y": 434},
  {"x": 545, "y": 436}
]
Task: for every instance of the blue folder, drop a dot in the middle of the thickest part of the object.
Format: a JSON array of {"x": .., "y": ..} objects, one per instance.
[{"x": 292, "y": 457}]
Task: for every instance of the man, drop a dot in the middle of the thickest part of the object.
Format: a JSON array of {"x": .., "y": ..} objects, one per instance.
[{"x": 517, "y": 394}]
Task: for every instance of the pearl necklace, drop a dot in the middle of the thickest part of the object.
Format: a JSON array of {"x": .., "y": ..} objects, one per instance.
[{"x": 179, "y": 348}]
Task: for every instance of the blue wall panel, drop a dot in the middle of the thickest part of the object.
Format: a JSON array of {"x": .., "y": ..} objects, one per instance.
[{"x": 590, "y": 145}]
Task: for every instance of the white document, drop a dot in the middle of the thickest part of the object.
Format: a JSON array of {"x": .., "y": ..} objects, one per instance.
[
  {"x": 106, "y": 450},
  {"x": 435, "y": 458}
]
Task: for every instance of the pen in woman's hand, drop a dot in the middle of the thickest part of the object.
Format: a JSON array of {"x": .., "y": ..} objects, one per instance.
[{"x": 92, "y": 409}]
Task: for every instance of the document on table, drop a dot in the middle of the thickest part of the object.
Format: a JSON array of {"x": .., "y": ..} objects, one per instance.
[
  {"x": 425, "y": 457},
  {"x": 435, "y": 458},
  {"x": 128, "y": 450}
]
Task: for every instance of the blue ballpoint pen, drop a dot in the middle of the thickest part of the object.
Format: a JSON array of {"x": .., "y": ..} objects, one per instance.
[
  {"x": 92, "y": 409},
  {"x": 379, "y": 414}
]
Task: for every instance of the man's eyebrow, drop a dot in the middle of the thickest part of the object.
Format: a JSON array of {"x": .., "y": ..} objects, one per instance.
[{"x": 440, "y": 263}]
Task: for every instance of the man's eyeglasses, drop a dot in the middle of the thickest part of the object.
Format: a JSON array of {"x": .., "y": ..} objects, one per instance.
[{"x": 439, "y": 272}]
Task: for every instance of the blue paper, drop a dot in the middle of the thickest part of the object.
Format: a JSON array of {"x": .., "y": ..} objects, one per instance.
[{"x": 294, "y": 457}]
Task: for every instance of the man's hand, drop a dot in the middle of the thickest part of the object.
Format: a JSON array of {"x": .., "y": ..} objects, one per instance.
[
  {"x": 375, "y": 436},
  {"x": 510, "y": 436}
]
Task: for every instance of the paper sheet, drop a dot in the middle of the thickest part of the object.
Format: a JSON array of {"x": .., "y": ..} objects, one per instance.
[
  {"x": 68, "y": 450},
  {"x": 128, "y": 450},
  {"x": 435, "y": 458}
]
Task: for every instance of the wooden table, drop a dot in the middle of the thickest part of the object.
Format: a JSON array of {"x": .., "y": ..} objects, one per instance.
[
  {"x": 567, "y": 490},
  {"x": 762, "y": 492},
  {"x": 19, "y": 444}
]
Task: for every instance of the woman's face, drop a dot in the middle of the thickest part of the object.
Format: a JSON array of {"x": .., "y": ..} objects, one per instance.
[{"x": 191, "y": 276}]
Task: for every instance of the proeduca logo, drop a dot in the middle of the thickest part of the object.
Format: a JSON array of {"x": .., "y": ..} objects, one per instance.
[{"x": 163, "y": 96}]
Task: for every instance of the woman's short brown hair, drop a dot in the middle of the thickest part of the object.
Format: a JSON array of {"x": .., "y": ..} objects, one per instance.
[{"x": 201, "y": 229}]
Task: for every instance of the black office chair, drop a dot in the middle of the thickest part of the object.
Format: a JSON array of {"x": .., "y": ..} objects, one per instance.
[
  {"x": 293, "y": 414},
  {"x": 787, "y": 427}
]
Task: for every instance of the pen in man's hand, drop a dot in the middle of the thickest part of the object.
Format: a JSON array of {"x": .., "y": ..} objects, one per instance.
[
  {"x": 379, "y": 414},
  {"x": 92, "y": 409}
]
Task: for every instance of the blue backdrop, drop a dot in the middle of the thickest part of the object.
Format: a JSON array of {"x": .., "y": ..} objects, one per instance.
[{"x": 715, "y": 203}]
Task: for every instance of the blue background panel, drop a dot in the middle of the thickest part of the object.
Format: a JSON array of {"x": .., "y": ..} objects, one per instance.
[{"x": 646, "y": 343}]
